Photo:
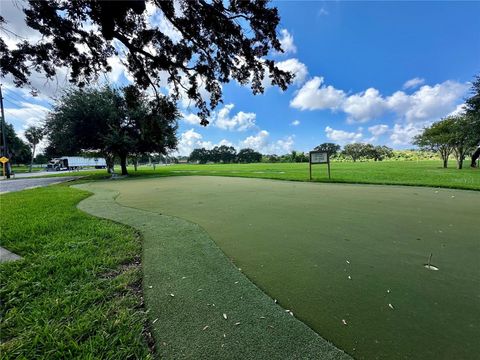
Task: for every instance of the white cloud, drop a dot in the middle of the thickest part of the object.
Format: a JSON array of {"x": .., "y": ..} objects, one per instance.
[
  {"x": 314, "y": 96},
  {"x": 225, "y": 142},
  {"x": 286, "y": 41},
  {"x": 297, "y": 68},
  {"x": 241, "y": 121},
  {"x": 343, "y": 137},
  {"x": 295, "y": 123},
  {"x": 364, "y": 106},
  {"x": 378, "y": 130},
  {"x": 427, "y": 104},
  {"x": 413, "y": 83},
  {"x": 157, "y": 19},
  {"x": 282, "y": 146},
  {"x": 256, "y": 142},
  {"x": 431, "y": 103},
  {"x": 190, "y": 118},
  {"x": 190, "y": 140},
  {"x": 28, "y": 114},
  {"x": 458, "y": 110},
  {"x": 261, "y": 142},
  {"x": 403, "y": 134}
]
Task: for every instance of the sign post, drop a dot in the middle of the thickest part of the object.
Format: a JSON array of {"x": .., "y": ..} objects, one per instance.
[
  {"x": 3, "y": 160},
  {"x": 319, "y": 157}
]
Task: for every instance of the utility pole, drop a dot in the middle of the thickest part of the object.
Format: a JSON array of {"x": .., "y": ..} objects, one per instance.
[{"x": 4, "y": 136}]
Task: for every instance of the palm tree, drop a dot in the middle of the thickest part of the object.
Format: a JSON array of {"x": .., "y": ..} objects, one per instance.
[{"x": 34, "y": 135}]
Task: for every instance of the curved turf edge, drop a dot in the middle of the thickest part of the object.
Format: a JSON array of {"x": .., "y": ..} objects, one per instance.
[{"x": 189, "y": 284}]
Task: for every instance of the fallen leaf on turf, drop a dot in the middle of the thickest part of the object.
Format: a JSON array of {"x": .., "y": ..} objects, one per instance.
[
  {"x": 275, "y": 300},
  {"x": 154, "y": 321},
  {"x": 348, "y": 262},
  {"x": 270, "y": 326},
  {"x": 225, "y": 316},
  {"x": 388, "y": 291},
  {"x": 344, "y": 322},
  {"x": 349, "y": 277},
  {"x": 224, "y": 335},
  {"x": 390, "y": 306},
  {"x": 150, "y": 287},
  {"x": 236, "y": 282},
  {"x": 199, "y": 289},
  {"x": 184, "y": 277},
  {"x": 238, "y": 323},
  {"x": 172, "y": 295},
  {"x": 262, "y": 317},
  {"x": 205, "y": 328}
]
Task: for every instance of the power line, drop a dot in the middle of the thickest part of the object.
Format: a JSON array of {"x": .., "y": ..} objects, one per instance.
[{"x": 24, "y": 108}]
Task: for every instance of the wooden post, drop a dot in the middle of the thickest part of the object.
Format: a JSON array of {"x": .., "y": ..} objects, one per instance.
[
  {"x": 328, "y": 163},
  {"x": 310, "y": 164}
]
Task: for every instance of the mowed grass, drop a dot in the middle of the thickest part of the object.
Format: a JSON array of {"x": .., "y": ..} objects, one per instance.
[
  {"x": 421, "y": 173},
  {"x": 346, "y": 259},
  {"x": 75, "y": 293}
]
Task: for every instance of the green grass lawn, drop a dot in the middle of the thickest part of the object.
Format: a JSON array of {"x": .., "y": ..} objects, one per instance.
[
  {"x": 333, "y": 252},
  {"x": 75, "y": 293},
  {"x": 17, "y": 169},
  {"x": 421, "y": 173}
]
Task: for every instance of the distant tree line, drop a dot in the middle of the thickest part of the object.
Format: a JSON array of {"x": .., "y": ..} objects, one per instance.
[
  {"x": 228, "y": 154},
  {"x": 224, "y": 154}
]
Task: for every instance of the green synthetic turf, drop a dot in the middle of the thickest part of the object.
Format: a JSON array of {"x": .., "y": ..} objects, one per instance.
[
  {"x": 189, "y": 285},
  {"x": 300, "y": 242}
]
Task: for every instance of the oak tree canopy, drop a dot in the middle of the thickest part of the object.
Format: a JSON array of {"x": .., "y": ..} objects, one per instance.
[{"x": 217, "y": 41}]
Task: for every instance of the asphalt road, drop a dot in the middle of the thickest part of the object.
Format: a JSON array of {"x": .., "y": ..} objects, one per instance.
[{"x": 22, "y": 184}]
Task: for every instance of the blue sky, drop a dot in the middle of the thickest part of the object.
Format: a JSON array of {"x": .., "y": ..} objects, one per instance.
[{"x": 365, "y": 71}]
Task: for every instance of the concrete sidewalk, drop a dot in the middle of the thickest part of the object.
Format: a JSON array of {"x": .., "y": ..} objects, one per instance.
[{"x": 22, "y": 184}]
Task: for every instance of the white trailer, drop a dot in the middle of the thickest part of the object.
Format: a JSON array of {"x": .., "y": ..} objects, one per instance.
[{"x": 75, "y": 163}]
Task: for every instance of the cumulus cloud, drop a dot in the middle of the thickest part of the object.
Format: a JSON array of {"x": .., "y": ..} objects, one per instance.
[
  {"x": 433, "y": 102},
  {"x": 458, "y": 110},
  {"x": 402, "y": 134},
  {"x": 364, "y": 106},
  {"x": 286, "y": 41},
  {"x": 261, "y": 142},
  {"x": 190, "y": 140},
  {"x": 190, "y": 118},
  {"x": 241, "y": 121},
  {"x": 297, "y": 68},
  {"x": 295, "y": 123},
  {"x": 314, "y": 96},
  {"x": 377, "y": 131},
  {"x": 413, "y": 83},
  {"x": 343, "y": 137},
  {"x": 428, "y": 103}
]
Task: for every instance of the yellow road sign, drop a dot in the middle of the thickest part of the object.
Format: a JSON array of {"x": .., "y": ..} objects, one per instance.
[{"x": 3, "y": 159}]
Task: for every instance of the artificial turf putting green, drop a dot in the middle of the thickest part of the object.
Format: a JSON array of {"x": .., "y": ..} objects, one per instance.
[
  {"x": 301, "y": 242},
  {"x": 200, "y": 306}
]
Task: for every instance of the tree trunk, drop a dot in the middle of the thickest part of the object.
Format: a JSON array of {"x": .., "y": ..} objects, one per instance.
[
  {"x": 475, "y": 156},
  {"x": 31, "y": 161},
  {"x": 135, "y": 164},
  {"x": 445, "y": 161},
  {"x": 123, "y": 164}
]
